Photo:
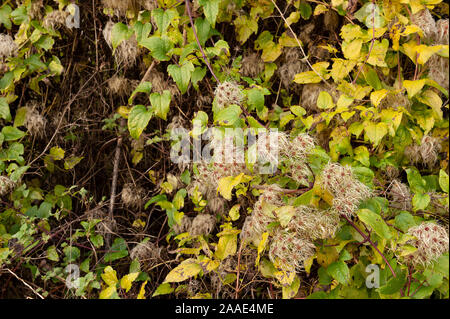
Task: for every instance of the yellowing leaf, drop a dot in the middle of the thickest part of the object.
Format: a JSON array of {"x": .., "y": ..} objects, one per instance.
[
  {"x": 271, "y": 52},
  {"x": 319, "y": 9},
  {"x": 284, "y": 214},
  {"x": 187, "y": 269},
  {"x": 141, "y": 294},
  {"x": 226, "y": 246},
  {"x": 290, "y": 292},
  {"x": 245, "y": 27},
  {"x": 341, "y": 68},
  {"x": 375, "y": 132},
  {"x": 127, "y": 281},
  {"x": 413, "y": 87},
  {"x": 107, "y": 292},
  {"x": 234, "y": 212},
  {"x": 352, "y": 50},
  {"x": 378, "y": 53},
  {"x": 433, "y": 100},
  {"x": 226, "y": 184},
  {"x": 109, "y": 276},
  {"x": 293, "y": 18},
  {"x": 123, "y": 111},
  {"x": 261, "y": 246},
  {"x": 377, "y": 96}
]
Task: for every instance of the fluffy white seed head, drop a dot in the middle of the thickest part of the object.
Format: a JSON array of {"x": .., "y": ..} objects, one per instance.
[
  {"x": 127, "y": 52},
  {"x": 147, "y": 253},
  {"x": 132, "y": 196},
  {"x": 203, "y": 224},
  {"x": 55, "y": 19},
  {"x": 431, "y": 241},
  {"x": 399, "y": 195},
  {"x": 8, "y": 48},
  {"x": 252, "y": 65},
  {"x": 228, "y": 93},
  {"x": 6, "y": 185},
  {"x": 424, "y": 20},
  {"x": 34, "y": 121}
]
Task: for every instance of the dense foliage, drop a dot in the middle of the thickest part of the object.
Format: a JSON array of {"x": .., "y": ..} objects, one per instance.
[{"x": 92, "y": 204}]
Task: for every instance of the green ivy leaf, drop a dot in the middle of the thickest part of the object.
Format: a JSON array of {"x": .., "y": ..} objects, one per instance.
[
  {"x": 138, "y": 120},
  {"x": 11, "y": 133},
  {"x": 339, "y": 271},
  {"x": 5, "y": 12},
  {"x": 161, "y": 103},
  {"x": 4, "y": 110},
  {"x": 118, "y": 250},
  {"x": 211, "y": 10},
  {"x": 158, "y": 46},
  {"x": 163, "y": 18},
  {"x": 420, "y": 201},
  {"x": 375, "y": 222},
  {"x": 181, "y": 75}
]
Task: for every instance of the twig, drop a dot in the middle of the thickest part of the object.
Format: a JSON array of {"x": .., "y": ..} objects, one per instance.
[
  {"x": 300, "y": 45},
  {"x": 369, "y": 241},
  {"x": 114, "y": 185},
  {"x": 25, "y": 283},
  {"x": 198, "y": 41},
  {"x": 372, "y": 42}
]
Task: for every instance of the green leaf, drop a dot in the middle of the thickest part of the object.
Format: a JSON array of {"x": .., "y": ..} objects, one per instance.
[
  {"x": 158, "y": 46},
  {"x": 161, "y": 103},
  {"x": 339, "y": 271},
  {"x": 420, "y": 201},
  {"x": 187, "y": 269},
  {"x": 305, "y": 10},
  {"x": 375, "y": 222},
  {"x": 375, "y": 131},
  {"x": 415, "y": 180},
  {"x": 394, "y": 284},
  {"x": 181, "y": 75},
  {"x": 443, "y": 180},
  {"x": 118, "y": 250},
  {"x": 72, "y": 161},
  {"x": 52, "y": 254},
  {"x": 11, "y": 133},
  {"x": 5, "y": 11},
  {"x": 203, "y": 28},
  {"x": 404, "y": 221},
  {"x": 120, "y": 32},
  {"x": 4, "y": 110},
  {"x": 256, "y": 99},
  {"x": 20, "y": 15},
  {"x": 163, "y": 18},
  {"x": 210, "y": 9},
  {"x": 228, "y": 116},
  {"x": 138, "y": 120},
  {"x": 163, "y": 289}
]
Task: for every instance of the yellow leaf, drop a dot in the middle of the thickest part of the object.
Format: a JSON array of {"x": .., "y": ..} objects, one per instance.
[
  {"x": 290, "y": 292},
  {"x": 107, "y": 292},
  {"x": 245, "y": 27},
  {"x": 261, "y": 246},
  {"x": 271, "y": 52},
  {"x": 123, "y": 111},
  {"x": 226, "y": 246},
  {"x": 209, "y": 264},
  {"x": 293, "y": 18},
  {"x": 284, "y": 214},
  {"x": 319, "y": 9},
  {"x": 308, "y": 263},
  {"x": 285, "y": 277},
  {"x": 341, "y": 68},
  {"x": 378, "y": 53},
  {"x": 226, "y": 184},
  {"x": 433, "y": 100},
  {"x": 413, "y": 87},
  {"x": 234, "y": 212},
  {"x": 352, "y": 50},
  {"x": 109, "y": 276},
  {"x": 377, "y": 96},
  {"x": 187, "y": 269},
  {"x": 375, "y": 132},
  {"x": 311, "y": 76},
  {"x": 286, "y": 41},
  {"x": 127, "y": 281},
  {"x": 425, "y": 52},
  {"x": 141, "y": 294}
]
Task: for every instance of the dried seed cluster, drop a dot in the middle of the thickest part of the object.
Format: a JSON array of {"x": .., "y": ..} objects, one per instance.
[
  {"x": 395, "y": 101},
  {"x": 252, "y": 65},
  {"x": 228, "y": 93},
  {"x": 399, "y": 195},
  {"x": 184, "y": 226},
  {"x": 292, "y": 65},
  {"x": 55, "y": 19},
  {"x": 8, "y": 47},
  {"x": 424, "y": 20},
  {"x": 132, "y": 196},
  {"x": 346, "y": 190},
  {"x": 147, "y": 253},
  {"x": 34, "y": 121},
  {"x": 202, "y": 224},
  {"x": 127, "y": 51},
  {"x": 291, "y": 245},
  {"x": 426, "y": 153},
  {"x": 6, "y": 185},
  {"x": 121, "y": 86},
  {"x": 119, "y": 7},
  {"x": 431, "y": 241}
]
